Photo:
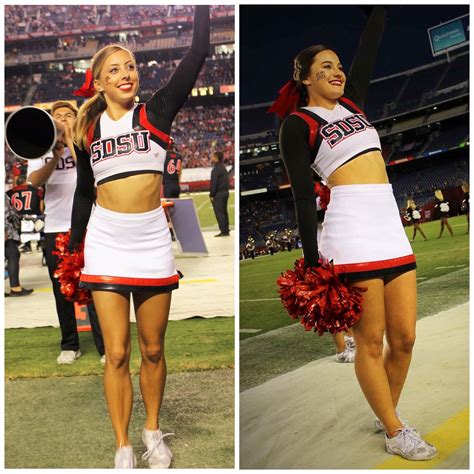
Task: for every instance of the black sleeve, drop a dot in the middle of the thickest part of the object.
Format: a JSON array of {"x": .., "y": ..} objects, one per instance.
[
  {"x": 166, "y": 102},
  {"x": 297, "y": 157},
  {"x": 214, "y": 179},
  {"x": 83, "y": 199},
  {"x": 362, "y": 67}
]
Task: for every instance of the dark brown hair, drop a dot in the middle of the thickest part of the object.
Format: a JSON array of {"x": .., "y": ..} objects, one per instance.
[{"x": 302, "y": 66}]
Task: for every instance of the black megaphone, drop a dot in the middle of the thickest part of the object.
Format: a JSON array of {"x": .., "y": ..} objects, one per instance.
[{"x": 30, "y": 133}]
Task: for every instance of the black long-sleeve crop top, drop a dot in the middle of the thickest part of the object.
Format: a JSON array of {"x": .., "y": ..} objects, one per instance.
[
  {"x": 294, "y": 135},
  {"x": 161, "y": 110}
]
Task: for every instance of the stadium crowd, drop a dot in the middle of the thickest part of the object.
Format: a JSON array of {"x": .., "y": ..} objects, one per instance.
[
  {"x": 199, "y": 130},
  {"x": 58, "y": 85},
  {"x": 56, "y": 19}
]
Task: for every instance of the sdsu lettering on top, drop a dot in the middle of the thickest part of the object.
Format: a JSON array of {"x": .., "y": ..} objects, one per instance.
[
  {"x": 337, "y": 131},
  {"x": 121, "y": 145}
]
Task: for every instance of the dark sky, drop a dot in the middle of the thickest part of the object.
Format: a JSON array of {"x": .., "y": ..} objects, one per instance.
[{"x": 272, "y": 35}]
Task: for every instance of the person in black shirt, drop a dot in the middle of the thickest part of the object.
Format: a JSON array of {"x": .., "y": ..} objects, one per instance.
[
  {"x": 12, "y": 254},
  {"x": 220, "y": 193},
  {"x": 28, "y": 202},
  {"x": 25, "y": 198},
  {"x": 172, "y": 173}
]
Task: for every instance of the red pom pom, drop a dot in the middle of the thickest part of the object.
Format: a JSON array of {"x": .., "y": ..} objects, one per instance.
[
  {"x": 319, "y": 298},
  {"x": 69, "y": 269},
  {"x": 324, "y": 194}
]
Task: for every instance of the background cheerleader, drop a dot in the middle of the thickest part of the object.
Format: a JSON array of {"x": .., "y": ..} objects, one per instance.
[
  {"x": 413, "y": 215},
  {"x": 442, "y": 207}
]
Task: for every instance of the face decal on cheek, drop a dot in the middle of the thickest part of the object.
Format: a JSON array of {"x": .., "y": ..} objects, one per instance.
[
  {"x": 320, "y": 76},
  {"x": 107, "y": 80}
]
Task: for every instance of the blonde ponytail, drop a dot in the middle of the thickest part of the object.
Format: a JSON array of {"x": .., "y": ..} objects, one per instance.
[{"x": 89, "y": 113}]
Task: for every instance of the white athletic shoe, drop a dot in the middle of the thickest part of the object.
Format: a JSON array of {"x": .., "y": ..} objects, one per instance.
[
  {"x": 346, "y": 356},
  {"x": 124, "y": 458},
  {"x": 409, "y": 445},
  {"x": 68, "y": 357},
  {"x": 158, "y": 454},
  {"x": 379, "y": 427},
  {"x": 350, "y": 343},
  {"x": 102, "y": 360}
]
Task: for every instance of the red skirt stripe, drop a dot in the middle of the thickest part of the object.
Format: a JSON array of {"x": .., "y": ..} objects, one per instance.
[
  {"x": 377, "y": 265},
  {"x": 130, "y": 281}
]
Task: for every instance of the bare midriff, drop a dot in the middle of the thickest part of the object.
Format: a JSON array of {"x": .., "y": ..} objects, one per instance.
[
  {"x": 368, "y": 168},
  {"x": 131, "y": 195}
]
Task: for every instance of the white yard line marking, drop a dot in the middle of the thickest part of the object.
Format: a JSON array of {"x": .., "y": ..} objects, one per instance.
[
  {"x": 250, "y": 331},
  {"x": 451, "y": 266}
]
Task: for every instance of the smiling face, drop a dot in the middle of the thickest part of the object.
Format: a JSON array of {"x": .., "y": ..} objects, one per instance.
[
  {"x": 118, "y": 78},
  {"x": 326, "y": 78}
]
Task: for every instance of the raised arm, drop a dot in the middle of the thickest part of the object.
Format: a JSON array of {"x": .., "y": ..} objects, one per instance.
[
  {"x": 363, "y": 65},
  {"x": 83, "y": 199},
  {"x": 297, "y": 158},
  {"x": 167, "y": 101}
]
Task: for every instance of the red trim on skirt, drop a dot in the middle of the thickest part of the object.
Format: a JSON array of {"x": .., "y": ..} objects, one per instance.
[
  {"x": 377, "y": 265},
  {"x": 130, "y": 281}
]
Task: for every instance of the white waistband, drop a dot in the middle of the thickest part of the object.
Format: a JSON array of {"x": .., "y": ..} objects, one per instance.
[
  {"x": 125, "y": 216},
  {"x": 365, "y": 189}
]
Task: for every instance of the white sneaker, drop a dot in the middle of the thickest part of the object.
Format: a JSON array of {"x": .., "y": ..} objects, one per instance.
[
  {"x": 409, "y": 445},
  {"x": 379, "y": 427},
  {"x": 68, "y": 357},
  {"x": 346, "y": 356},
  {"x": 124, "y": 458},
  {"x": 350, "y": 343},
  {"x": 158, "y": 454},
  {"x": 102, "y": 360}
]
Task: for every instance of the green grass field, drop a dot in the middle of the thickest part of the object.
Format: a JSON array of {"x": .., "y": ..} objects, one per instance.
[
  {"x": 205, "y": 212},
  {"x": 443, "y": 277},
  {"x": 61, "y": 410},
  {"x": 191, "y": 345}
]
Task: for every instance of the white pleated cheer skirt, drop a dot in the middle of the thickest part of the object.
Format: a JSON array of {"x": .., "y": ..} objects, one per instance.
[
  {"x": 363, "y": 234},
  {"x": 129, "y": 252}
]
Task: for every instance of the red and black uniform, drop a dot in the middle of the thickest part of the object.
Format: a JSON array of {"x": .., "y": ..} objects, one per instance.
[
  {"x": 134, "y": 144},
  {"x": 321, "y": 140},
  {"x": 171, "y": 173},
  {"x": 26, "y": 199}
]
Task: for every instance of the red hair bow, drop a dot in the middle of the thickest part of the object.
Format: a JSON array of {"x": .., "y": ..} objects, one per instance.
[
  {"x": 87, "y": 89},
  {"x": 287, "y": 101}
]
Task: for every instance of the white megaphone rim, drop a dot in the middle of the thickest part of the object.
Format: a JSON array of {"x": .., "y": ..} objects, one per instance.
[{"x": 54, "y": 128}]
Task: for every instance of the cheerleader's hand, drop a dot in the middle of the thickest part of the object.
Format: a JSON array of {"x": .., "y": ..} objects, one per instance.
[{"x": 60, "y": 128}]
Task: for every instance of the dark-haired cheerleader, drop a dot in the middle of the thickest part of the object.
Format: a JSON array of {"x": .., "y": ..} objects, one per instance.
[{"x": 363, "y": 235}]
